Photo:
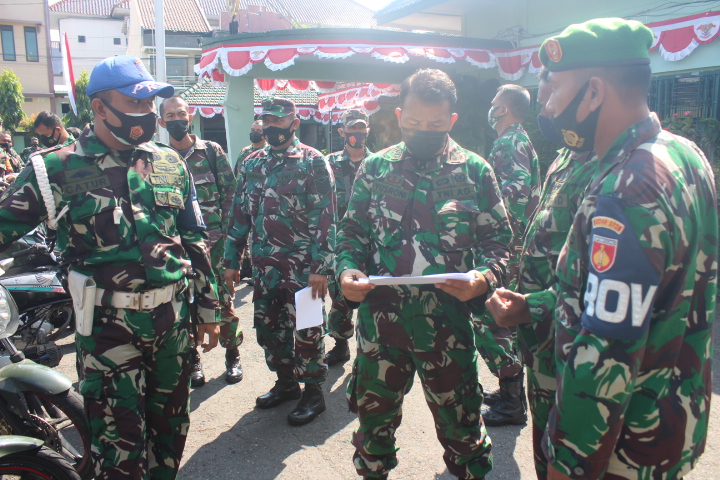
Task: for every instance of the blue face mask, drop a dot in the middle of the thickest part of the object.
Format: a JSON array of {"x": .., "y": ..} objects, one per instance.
[{"x": 547, "y": 130}]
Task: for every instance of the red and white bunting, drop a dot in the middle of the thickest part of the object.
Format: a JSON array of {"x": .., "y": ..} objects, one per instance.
[
  {"x": 678, "y": 38},
  {"x": 206, "y": 111},
  {"x": 238, "y": 59},
  {"x": 675, "y": 39}
]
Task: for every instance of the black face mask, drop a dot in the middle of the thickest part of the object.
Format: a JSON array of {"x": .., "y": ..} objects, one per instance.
[
  {"x": 424, "y": 144},
  {"x": 177, "y": 129},
  {"x": 276, "y": 136},
  {"x": 577, "y": 136},
  {"x": 49, "y": 140},
  {"x": 256, "y": 137},
  {"x": 355, "y": 139},
  {"x": 5, "y": 146},
  {"x": 547, "y": 130},
  {"x": 136, "y": 128}
]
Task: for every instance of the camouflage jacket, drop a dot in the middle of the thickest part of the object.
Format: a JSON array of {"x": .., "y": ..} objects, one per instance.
[
  {"x": 244, "y": 154},
  {"x": 132, "y": 224},
  {"x": 636, "y": 285},
  {"x": 515, "y": 164},
  {"x": 409, "y": 217},
  {"x": 215, "y": 195},
  {"x": 10, "y": 161},
  {"x": 564, "y": 190},
  {"x": 25, "y": 155},
  {"x": 345, "y": 170},
  {"x": 288, "y": 199}
]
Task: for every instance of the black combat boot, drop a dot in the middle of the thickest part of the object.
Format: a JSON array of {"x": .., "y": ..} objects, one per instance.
[
  {"x": 491, "y": 397},
  {"x": 286, "y": 388},
  {"x": 512, "y": 408},
  {"x": 233, "y": 366},
  {"x": 340, "y": 353},
  {"x": 197, "y": 377},
  {"x": 384, "y": 477},
  {"x": 310, "y": 406}
]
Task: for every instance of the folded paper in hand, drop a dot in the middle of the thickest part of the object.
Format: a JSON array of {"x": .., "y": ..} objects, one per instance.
[
  {"x": 308, "y": 311},
  {"x": 420, "y": 280}
]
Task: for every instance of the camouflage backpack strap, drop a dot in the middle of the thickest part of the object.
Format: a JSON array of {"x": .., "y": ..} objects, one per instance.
[{"x": 46, "y": 191}]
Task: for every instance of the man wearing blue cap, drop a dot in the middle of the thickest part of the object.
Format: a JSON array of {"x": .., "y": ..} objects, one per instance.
[{"x": 129, "y": 223}]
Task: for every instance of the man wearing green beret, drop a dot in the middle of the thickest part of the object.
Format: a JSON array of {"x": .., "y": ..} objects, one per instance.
[{"x": 636, "y": 282}]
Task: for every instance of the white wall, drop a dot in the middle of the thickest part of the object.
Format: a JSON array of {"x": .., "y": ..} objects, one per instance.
[{"x": 99, "y": 35}]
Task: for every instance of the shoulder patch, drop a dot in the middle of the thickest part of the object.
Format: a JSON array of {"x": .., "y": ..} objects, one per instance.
[{"x": 622, "y": 282}]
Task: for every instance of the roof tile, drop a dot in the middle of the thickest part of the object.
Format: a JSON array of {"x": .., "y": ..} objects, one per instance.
[{"x": 180, "y": 16}]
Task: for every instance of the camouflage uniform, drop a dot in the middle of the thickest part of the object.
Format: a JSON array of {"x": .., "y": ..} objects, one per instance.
[
  {"x": 215, "y": 196},
  {"x": 414, "y": 217},
  {"x": 515, "y": 164},
  {"x": 25, "y": 155},
  {"x": 131, "y": 226},
  {"x": 564, "y": 190},
  {"x": 11, "y": 161},
  {"x": 340, "y": 322},
  {"x": 636, "y": 288},
  {"x": 288, "y": 200},
  {"x": 239, "y": 166}
]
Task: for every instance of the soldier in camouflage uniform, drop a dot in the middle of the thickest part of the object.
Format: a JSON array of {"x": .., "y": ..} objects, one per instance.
[
  {"x": 13, "y": 163},
  {"x": 515, "y": 163},
  {"x": 34, "y": 147},
  {"x": 424, "y": 206},
  {"x": 285, "y": 195},
  {"x": 257, "y": 142},
  {"x": 636, "y": 282},
  {"x": 215, "y": 186},
  {"x": 126, "y": 216},
  {"x": 564, "y": 190},
  {"x": 345, "y": 163},
  {"x": 51, "y": 130}
]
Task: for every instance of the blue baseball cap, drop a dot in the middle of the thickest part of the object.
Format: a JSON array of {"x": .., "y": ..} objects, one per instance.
[{"x": 127, "y": 75}]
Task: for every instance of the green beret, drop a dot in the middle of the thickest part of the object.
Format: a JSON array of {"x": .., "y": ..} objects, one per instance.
[{"x": 603, "y": 42}]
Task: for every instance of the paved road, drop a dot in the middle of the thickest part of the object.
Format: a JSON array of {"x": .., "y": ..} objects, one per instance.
[{"x": 230, "y": 439}]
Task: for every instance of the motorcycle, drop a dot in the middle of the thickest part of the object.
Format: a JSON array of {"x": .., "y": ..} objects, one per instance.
[
  {"x": 37, "y": 281},
  {"x": 27, "y": 458},
  {"x": 37, "y": 401}
]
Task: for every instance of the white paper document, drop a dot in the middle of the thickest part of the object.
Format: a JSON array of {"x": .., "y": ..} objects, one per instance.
[
  {"x": 308, "y": 312},
  {"x": 421, "y": 280}
]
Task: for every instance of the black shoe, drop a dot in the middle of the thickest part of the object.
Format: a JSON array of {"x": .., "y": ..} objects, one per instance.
[
  {"x": 251, "y": 282},
  {"x": 512, "y": 408},
  {"x": 384, "y": 477},
  {"x": 491, "y": 397},
  {"x": 339, "y": 354},
  {"x": 286, "y": 388},
  {"x": 197, "y": 377},
  {"x": 233, "y": 366},
  {"x": 310, "y": 406}
]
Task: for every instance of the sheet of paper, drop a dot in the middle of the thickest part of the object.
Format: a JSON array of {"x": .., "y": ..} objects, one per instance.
[
  {"x": 308, "y": 312},
  {"x": 421, "y": 280}
]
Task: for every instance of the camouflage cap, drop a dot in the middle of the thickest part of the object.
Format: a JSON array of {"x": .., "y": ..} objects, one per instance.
[
  {"x": 280, "y": 107},
  {"x": 603, "y": 42},
  {"x": 354, "y": 116}
]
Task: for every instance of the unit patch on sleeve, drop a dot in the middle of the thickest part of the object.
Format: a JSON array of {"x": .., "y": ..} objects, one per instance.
[{"x": 622, "y": 282}]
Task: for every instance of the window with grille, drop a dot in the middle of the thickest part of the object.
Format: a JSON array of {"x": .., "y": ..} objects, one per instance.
[{"x": 698, "y": 94}]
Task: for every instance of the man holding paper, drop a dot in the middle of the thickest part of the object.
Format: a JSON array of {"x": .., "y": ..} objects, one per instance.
[
  {"x": 285, "y": 195},
  {"x": 425, "y": 206}
]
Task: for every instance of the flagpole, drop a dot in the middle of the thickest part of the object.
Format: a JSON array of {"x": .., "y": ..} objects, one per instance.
[{"x": 160, "y": 75}]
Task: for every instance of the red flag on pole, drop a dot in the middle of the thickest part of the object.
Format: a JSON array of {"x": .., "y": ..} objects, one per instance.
[{"x": 68, "y": 71}]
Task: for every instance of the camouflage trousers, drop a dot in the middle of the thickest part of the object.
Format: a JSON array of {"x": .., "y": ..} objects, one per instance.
[
  {"x": 541, "y": 397},
  {"x": 298, "y": 352},
  {"x": 134, "y": 374},
  {"x": 340, "y": 318},
  {"x": 381, "y": 378},
  {"x": 497, "y": 345},
  {"x": 231, "y": 334}
]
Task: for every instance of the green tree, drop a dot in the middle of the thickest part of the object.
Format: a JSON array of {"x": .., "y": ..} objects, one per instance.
[
  {"x": 11, "y": 100},
  {"x": 82, "y": 101}
]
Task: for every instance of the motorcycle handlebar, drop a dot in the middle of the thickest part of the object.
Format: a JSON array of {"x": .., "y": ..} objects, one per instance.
[{"x": 37, "y": 248}]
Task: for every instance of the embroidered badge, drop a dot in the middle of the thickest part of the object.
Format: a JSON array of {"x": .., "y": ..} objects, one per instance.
[
  {"x": 609, "y": 223},
  {"x": 553, "y": 50},
  {"x": 603, "y": 253}
]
